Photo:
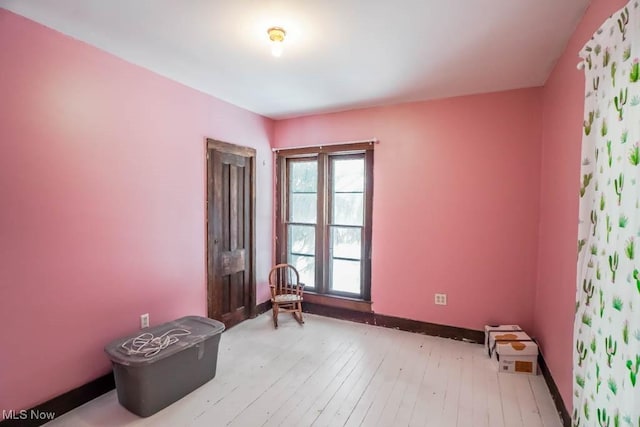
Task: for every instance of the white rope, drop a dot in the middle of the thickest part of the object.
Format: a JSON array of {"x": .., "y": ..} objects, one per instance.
[{"x": 148, "y": 345}]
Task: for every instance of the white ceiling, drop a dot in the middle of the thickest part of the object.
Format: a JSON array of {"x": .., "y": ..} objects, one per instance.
[{"x": 339, "y": 54}]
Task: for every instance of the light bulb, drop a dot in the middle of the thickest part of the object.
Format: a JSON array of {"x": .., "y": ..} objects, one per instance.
[
  {"x": 276, "y": 35},
  {"x": 276, "y": 49}
]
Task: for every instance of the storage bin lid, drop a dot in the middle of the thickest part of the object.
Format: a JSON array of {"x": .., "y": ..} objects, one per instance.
[{"x": 153, "y": 344}]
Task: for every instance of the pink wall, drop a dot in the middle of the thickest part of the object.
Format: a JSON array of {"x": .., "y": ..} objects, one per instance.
[
  {"x": 455, "y": 203},
  {"x": 563, "y": 98},
  {"x": 102, "y": 187}
]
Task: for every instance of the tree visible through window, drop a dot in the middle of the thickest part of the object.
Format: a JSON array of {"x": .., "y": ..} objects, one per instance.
[{"x": 324, "y": 219}]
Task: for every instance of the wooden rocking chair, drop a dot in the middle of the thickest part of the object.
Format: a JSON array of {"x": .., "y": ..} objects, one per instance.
[{"x": 286, "y": 292}]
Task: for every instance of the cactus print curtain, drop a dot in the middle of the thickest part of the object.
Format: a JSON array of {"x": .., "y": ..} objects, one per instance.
[{"x": 607, "y": 325}]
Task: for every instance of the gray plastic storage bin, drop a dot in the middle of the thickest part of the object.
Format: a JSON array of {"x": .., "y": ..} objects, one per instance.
[{"x": 147, "y": 383}]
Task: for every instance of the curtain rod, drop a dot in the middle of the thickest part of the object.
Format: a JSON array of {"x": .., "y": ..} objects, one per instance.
[{"x": 361, "y": 141}]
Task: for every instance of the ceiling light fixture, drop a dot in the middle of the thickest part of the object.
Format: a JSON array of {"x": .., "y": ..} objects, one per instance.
[{"x": 276, "y": 35}]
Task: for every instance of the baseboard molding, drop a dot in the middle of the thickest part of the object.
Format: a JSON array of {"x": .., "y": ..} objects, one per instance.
[
  {"x": 338, "y": 301},
  {"x": 400, "y": 323},
  {"x": 262, "y": 308},
  {"x": 555, "y": 393},
  {"x": 61, "y": 404}
]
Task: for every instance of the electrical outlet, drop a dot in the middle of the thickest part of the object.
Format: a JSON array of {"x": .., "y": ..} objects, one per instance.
[
  {"x": 441, "y": 299},
  {"x": 144, "y": 320}
]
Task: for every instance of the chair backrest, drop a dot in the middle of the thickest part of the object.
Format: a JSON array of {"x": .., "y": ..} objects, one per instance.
[{"x": 284, "y": 279}]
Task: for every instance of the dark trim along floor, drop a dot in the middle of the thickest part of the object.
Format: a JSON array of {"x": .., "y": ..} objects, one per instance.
[
  {"x": 61, "y": 404},
  {"x": 555, "y": 393},
  {"x": 83, "y": 394},
  {"x": 400, "y": 323}
]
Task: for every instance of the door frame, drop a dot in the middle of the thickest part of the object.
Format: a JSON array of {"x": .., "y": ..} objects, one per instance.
[{"x": 239, "y": 150}]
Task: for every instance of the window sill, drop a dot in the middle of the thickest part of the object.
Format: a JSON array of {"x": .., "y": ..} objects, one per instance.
[{"x": 338, "y": 301}]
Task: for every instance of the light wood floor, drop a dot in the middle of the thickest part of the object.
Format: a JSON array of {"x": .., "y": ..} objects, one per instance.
[{"x": 333, "y": 373}]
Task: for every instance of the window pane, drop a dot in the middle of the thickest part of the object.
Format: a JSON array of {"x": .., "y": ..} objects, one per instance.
[
  {"x": 306, "y": 266},
  {"x": 348, "y": 175},
  {"x": 303, "y": 176},
  {"x": 302, "y": 207},
  {"x": 302, "y": 239},
  {"x": 346, "y": 276},
  {"x": 346, "y": 242},
  {"x": 348, "y": 208}
]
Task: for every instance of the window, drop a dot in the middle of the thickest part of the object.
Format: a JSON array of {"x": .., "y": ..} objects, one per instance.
[{"x": 324, "y": 217}]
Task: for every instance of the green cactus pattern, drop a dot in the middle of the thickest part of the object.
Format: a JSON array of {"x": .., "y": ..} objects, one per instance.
[
  {"x": 588, "y": 290},
  {"x": 619, "y": 184},
  {"x": 586, "y": 409},
  {"x": 607, "y": 306},
  {"x": 581, "y": 244},
  {"x": 614, "y": 261},
  {"x": 611, "y": 347},
  {"x": 630, "y": 249},
  {"x": 620, "y": 102},
  {"x": 633, "y": 370},
  {"x": 582, "y": 352},
  {"x": 634, "y": 74},
  {"x": 586, "y": 180},
  {"x": 588, "y": 124},
  {"x": 617, "y": 303},
  {"x": 634, "y": 155},
  {"x": 623, "y": 21},
  {"x": 622, "y": 221},
  {"x": 603, "y": 418},
  {"x": 594, "y": 221}
]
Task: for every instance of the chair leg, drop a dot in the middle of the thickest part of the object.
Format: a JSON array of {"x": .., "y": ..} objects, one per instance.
[
  {"x": 275, "y": 310},
  {"x": 298, "y": 313},
  {"x": 300, "y": 308}
]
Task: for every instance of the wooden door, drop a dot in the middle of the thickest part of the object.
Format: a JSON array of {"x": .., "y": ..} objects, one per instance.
[{"x": 230, "y": 231}]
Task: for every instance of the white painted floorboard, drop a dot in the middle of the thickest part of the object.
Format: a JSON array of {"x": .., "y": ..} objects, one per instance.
[{"x": 336, "y": 373}]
